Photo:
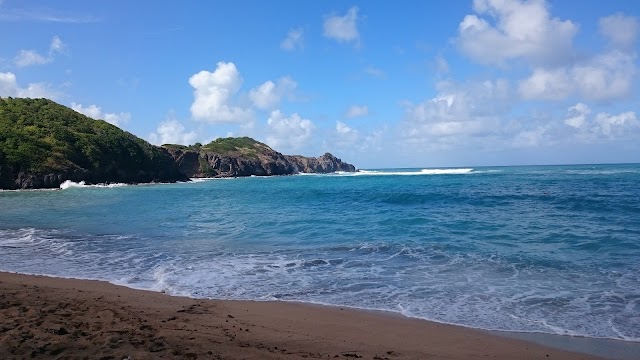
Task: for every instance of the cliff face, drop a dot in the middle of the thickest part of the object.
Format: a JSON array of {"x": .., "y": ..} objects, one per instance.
[
  {"x": 249, "y": 158},
  {"x": 326, "y": 163}
]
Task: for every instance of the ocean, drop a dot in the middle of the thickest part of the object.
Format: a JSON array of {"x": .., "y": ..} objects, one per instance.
[{"x": 542, "y": 249}]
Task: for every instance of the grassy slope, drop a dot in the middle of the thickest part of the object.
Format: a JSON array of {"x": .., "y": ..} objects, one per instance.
[
  {"x": 228, "y": 146},
  {"x": 40, "y": 136}
]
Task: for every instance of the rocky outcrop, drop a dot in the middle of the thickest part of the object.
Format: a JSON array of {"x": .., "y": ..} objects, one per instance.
[
  {"x": 265, "y": 162},
  {"x": 326, "y": 163}
]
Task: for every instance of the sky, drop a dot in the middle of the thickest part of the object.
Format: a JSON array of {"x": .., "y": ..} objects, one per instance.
[{"x": 380, "y": 84}]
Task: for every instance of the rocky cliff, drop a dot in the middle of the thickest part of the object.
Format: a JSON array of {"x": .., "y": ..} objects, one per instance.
[{"x": 232, "y": 157}]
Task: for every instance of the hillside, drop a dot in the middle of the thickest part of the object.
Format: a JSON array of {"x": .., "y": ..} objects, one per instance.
[{"x": 42, "y": 144}]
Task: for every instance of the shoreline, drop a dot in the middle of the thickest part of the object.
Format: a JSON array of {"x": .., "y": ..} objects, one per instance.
[{"x": 48, "y": 317}]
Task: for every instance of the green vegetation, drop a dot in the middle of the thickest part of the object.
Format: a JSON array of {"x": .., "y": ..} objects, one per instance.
[
  {"x": 177, "y": 146},
  {"x": 229, "y": 146},
  {"x": 40, "y": 136},
  {"x": 245, "y": 145}
]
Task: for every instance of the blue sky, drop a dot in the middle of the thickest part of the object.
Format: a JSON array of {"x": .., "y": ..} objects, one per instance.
[{"x": 378, "y": 83}]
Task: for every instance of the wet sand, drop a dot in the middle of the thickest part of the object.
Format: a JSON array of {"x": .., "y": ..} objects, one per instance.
[{"x": 52, "y": 318}]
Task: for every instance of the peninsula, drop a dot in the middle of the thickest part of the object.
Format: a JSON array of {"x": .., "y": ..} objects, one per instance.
[{"x": 43, "y": 144}]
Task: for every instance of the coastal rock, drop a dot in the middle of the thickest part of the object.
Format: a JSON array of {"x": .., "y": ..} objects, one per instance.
[
  {"x": 326, "y": 163},
  {"x": 234, "y": 157}
]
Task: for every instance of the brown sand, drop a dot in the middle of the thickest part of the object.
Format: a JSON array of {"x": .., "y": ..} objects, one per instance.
[{"x": 52, "y": 318}]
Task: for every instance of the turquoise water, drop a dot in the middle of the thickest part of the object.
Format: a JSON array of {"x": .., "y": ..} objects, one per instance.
[{"x": 551, "y": 249}]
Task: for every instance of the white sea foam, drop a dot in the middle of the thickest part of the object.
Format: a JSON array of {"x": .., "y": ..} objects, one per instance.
[
  {"x": 452, "y": 171},
  {"x": 70, "y": 184}
]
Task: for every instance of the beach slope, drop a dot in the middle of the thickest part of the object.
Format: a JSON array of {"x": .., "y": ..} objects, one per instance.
[{"x": 42, "y": 317}]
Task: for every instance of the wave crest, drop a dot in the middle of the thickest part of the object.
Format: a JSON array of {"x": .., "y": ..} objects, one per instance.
[{"x": 71, "y": 184}]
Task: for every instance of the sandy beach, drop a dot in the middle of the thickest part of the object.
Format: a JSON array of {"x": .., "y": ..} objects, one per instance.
[{"x": 52, "y": 318}]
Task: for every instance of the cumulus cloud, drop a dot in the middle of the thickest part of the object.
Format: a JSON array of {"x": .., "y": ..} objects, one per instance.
[
  {"x": 294, "y": 40},
  {"x": 616, "y": 125},
  {"x": 342, "y": 28},
  {"x": 213, "y": 92},
  {"x": 171, "y": 131},
  {"x": 457, "y": 112},
  {"x": 619, "y": 29},
  {"x": 577, "y": 115},
  {"x": 95, "y": 112},
  {"x": 500, "y": 31},
  {"x": 543, "y": 84},
  {"x": 32, "y": 57},
  {"x": 268, "y": 95},
  {"x": 355, "y": 111},
  {"x": 56, "y": 46},
  {"x": 601, "y": 127},
  {"x": 344, "y": 129},
  {"x": 288, "y": 132},
  {"x": 531, "y": 137},
  {"x": 351, "y": 141},
  {"x": 604, "y": 77},
  {"x": 607, "y": 76},
  {"x": 9, "y": 87}
]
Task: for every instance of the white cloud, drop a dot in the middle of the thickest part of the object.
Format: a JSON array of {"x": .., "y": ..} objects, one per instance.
[
  {"x": 95, "y": 112},
  {"x": 269, "y": 94},
  {"x": 44, "y": 14},
  {"x": 288, "y": 132},
  {"x": 294, "y": 40},
  {"x": 32, "y": 57},
  {"x": 56, "y": 46},
  {"x": 607, "y": 76},
  {"x": 9, "y": 87},
  {"x": 344, "y": 129},
  {"x": 620, "y": 29},
  {"x": 603, "y": 126},
  {"x": 355, "y": 111},
  {"x": 604, "y": 77},
  {"x": 342, "y": 28},
  {"x": 91, "y": 111},
  {"x": 345, "y": 135},
  {"x": 545, "y": 84},
  {"x": 532, "y": 137},
  {"x": 117, "y": 119},
  {"x": 458, "y": 110},
  {"x": 213, "y": 92},
  {"x": 349, "y": 140},
  {"x": 508, "y": 30},
  {"x": 577, "y": 115},
  {"x": 375, "y": 72},
  {"x": 616, "y": 125},
  {"x": 171, "y": 131}
]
